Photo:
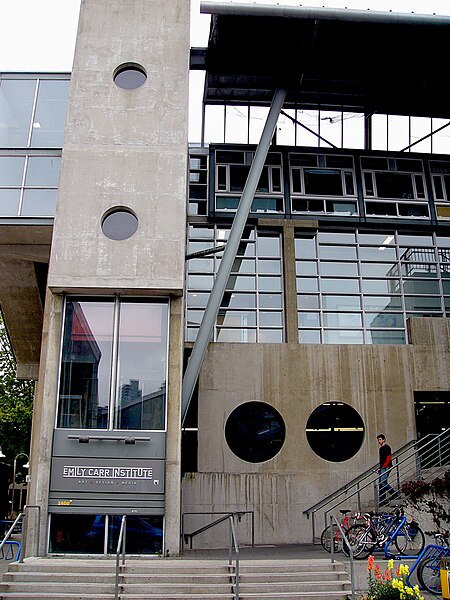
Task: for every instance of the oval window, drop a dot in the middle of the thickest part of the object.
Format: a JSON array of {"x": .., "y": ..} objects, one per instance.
[
  {"x": 130, "y": 76},
  {"x": 335, "y": 431},
  {"x": 255, "y": 431},
  {"x": 119, "y": 224}
]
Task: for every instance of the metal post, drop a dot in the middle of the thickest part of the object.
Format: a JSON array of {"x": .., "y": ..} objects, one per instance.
[{"x": 237, "y": 228}]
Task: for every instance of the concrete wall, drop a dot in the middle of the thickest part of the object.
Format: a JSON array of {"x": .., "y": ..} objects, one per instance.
[
  {"x": 125, "y": 148},
  {"x": 378, "y": 381},
  {"x": 122, "y": 148}
]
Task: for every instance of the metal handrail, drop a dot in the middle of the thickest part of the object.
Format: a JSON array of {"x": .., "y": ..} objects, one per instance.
[
  {"x": 225, "y": 515},
  {"x": 424, "y": 454},
  {"x": 234, "y": 543},
  {"x": 25, "y": 529},
  {"x": 344, "y": 541},
  {"x": 120, "y": 548},
  {"x": 10, "y": 530}
]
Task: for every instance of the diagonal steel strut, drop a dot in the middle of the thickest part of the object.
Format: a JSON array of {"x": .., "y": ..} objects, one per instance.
[{"x": 223, "y": 273}]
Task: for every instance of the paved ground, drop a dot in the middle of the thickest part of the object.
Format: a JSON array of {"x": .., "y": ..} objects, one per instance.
[{"x": 297, "y": 551}]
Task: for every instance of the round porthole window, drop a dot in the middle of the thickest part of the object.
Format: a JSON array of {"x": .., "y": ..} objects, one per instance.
[
  {"x": 255, "y": 431},
  {"x": 130, "y": 76},
  {"x": 335, "y": 431},
  {"x": 119, "y": 224}
]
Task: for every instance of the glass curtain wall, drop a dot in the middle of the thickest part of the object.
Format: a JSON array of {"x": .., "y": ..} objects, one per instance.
[
  {"x": 114, "y": 362},
  {"x": 360, "y": 287}
]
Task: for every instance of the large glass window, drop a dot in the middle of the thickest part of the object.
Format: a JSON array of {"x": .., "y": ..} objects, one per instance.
[
  {"x": 252, "y": 305},
  {"x": 395, "y": 276},
  {"x": 113, "y": 368}
]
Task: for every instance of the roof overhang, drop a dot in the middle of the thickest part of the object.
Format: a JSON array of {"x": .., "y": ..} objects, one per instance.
[{"x": 332, "y": 59}]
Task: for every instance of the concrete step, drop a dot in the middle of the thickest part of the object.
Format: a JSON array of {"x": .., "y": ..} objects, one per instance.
[{"x": 174, "y": 579}]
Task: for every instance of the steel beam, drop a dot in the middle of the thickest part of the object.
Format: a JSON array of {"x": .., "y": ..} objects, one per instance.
[{"x": 237, "y": 228}]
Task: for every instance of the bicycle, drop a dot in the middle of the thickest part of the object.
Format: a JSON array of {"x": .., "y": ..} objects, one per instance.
[
  {"x": 428, "y": 565},
  {"x": 388, "y": 532},
  {"x": 346, "y": 523}
]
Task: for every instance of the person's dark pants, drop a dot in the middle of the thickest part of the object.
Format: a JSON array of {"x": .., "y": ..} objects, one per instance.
[{"x": 384, "y": 486}]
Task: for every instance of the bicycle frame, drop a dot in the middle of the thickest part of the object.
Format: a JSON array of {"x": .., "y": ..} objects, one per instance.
[{"x": 434, "y": 551}]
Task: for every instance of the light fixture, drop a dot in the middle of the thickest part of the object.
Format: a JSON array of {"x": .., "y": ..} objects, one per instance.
[
  {"x": 1, "y": 453},
  {"x": 36, "y": 125},
  {"x": 386, "y": 242}
]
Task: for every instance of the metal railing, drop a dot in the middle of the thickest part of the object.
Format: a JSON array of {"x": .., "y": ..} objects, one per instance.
[
  {"x": 187, "y": 537},
  {"x": 233, "y": 545},
  {"x": 120, "y": 550},
  {"x": 334, "y": 521},
  {"x": 6, "y": 540},
  {"x": 419, "y": 459},
  {"x": 26, "y": 510}
]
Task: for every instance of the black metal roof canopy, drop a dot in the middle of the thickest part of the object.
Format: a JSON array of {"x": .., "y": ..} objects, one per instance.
[{"x": 332, "y": 59}]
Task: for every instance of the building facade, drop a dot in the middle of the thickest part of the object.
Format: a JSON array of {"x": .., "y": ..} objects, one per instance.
[{"x": 333, "y": 323}]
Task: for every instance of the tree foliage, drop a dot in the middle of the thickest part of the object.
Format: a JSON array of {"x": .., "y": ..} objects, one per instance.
[{"x": 16, "y": 403}]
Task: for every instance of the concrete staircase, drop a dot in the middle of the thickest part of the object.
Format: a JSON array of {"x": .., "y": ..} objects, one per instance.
[{"x": 174, "y": 579}]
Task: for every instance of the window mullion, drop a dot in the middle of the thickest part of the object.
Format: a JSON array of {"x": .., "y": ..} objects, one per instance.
[{"x": 114, "y": 366}]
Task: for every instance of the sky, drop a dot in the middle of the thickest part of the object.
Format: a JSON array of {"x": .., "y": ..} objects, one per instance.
[{"x": 39, "y": 35}]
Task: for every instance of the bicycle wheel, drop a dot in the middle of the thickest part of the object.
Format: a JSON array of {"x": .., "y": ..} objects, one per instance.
[
  {"x": 328, "y": 535},
  {"x": 410, "y": 540},
  {"x": 429, "y": 575},
  {"x": 361, "y": 539}
]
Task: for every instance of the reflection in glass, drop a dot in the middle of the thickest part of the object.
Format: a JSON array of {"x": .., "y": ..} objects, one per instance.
[
  {"x": 238, "y": 318},
  {"x": 201, "y": 265},
  {"x": 77, "y": 534},
  {"x": 16, "y": 105},
  {"x": 382, "y": 303},
  {"x": 335, "y": 431},
  {"x": 268, "y": 246},
  {"x": 332, "y": 336},
  {"x": 305, "y": 268},
  {"x": 39, "y": 203},
  {"x": 376, "y": 239},
  {"x": 11, "y": 170},
  {"x": 394, "y": 185},
  {"x": 342, "y": 319},
  {"x": 43, "y": 171},
  {"x": 200, "y": 282},
  {"x": 422, "y": 303},
  {"x": 255, "y": 432},
  {"x": 327, "y": 182},
  {"x": 305, "y": 302},
  {"x": 384, "y": 319},
  {"x": 421, "y": 286},
  {"x": 410, "y": 269},
  {"x": 341, "y": 302},
  {"x": 305, "y": 247},
  {"x": 50, "y": 116},
  {"x": 307, "y": 284},
  {"x": 337, "y": 252},
  {"x": 350, "y": 286},
  {"x": 270, "y": 319},
  {"x": 240, "y": 282},
  {"x": 236, "y": 300},
  {"x": 386, "y": 337},
  {"x": 269, "y": 267},
  {"x": 243, "y": 265},
  {"x": 246, "y": 336},
  {"x": 86, "y": 365},
  {"x": 270, "y": 336},
  {"x": 379, "y": 270},
  {"x": 269, "y": 284},
  {"x": 333, "y": 269},
  {"x": 328, "y": 237},
  {"x": 141, "y": 369},
  {"x": 144, "y": 534},
  {"x": 9, "y": 203},
  {"x": 309, "y": 336},
  {"x": 270, "y": 300},
  {"x": 380, "y": 286},
  {"x": 308, "y": 319},
  {"x": 381, "y": 253}
]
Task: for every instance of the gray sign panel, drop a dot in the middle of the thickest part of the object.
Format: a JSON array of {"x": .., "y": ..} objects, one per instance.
[{"x": 72, "y": 474}]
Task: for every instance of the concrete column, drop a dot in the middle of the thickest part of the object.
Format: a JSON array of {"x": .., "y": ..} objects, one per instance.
[
  {"x": 173, "y": 443},
  {"x": 44, "y": 414}
]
